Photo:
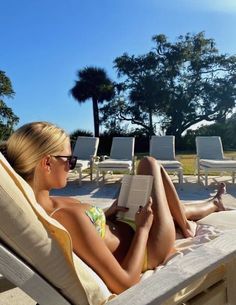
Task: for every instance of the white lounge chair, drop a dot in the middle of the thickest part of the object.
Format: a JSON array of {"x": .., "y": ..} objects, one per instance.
[
  {"x": 205, "y": 276},
  {"x": 85, "y": 150},
  {"x": 163, "y": 149},
  {"x": 42, "y": 264},
  {"x": 121, "y": 157},
  {"x": 210, "y": 157},
  {"x": 45, "y": 247},
  {"x": 18, "y": 273}
]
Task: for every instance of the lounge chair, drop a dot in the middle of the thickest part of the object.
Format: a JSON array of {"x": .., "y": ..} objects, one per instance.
[
  {"x": 40, "y": 260},
  {"x": 85, "y": 150},
  {"x": 43, "y": 244},
  {"x": 121, "y": 157},
  {"x": 163, "y": 149},
  {"x": 22, "y": 275},
  {"x": 210, "y": 158}
]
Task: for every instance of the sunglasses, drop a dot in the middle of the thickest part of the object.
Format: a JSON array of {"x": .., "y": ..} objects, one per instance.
[{"x": 70, "y": 159}]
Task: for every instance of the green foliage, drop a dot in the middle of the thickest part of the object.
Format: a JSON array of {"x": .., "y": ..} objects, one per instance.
[
  {"x": 226, "y": 131},
  {"x": 179, "y": 84},
  {"x": 95, "y": 84},
  {"x": 7, "y": 118},
  {"x": 79, "y": 132}
]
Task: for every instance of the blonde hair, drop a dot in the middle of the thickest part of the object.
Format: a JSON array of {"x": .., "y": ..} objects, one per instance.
[{"x": 30, "y": 143}]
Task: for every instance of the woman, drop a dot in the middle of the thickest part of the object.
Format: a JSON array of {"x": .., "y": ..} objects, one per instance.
[{"x": 40, "y": 152}]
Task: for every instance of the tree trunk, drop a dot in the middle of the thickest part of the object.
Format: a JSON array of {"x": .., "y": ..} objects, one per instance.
[
  {"x": 151, "y": 129},
  {"x": 171, "y": 130},
  {"x": 95, "y": 117}
]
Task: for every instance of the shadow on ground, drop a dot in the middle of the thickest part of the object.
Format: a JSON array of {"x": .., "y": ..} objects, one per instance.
[{"x": 105, "y": 192}]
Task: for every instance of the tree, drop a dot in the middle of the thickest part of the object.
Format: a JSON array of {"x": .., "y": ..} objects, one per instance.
[
  {"x": 181, "y": 84},
  {"x": 7, "y": 118},
  {"x": 143, "y": 90},
  {"x": 93, "y": 83}
]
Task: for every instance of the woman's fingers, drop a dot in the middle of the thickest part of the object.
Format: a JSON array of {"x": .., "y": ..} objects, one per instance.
[{"x": 149, "y": 203}]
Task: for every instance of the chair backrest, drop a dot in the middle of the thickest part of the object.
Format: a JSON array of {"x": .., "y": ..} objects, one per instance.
[
  {"x": 162, "y": 147},
  {"x": 209, "y": 147},
  {"x": 86, "y": 147},
  {"x": 43, "y": 242},
  {"x": 122, "y": 148}
]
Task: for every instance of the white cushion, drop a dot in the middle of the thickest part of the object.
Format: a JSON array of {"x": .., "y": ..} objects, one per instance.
[
  {"x": 218, "y": 163},
  {"x": 83, "y": 164},
  {"x": 170, "y": 164},
  {"x": 112, "y": 163},
  {"x": 225, "y": 220},
  {"x": 43, "y": 242}
]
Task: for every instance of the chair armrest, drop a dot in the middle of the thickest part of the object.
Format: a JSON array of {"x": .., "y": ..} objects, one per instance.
[{"x": 104, "y": 157}]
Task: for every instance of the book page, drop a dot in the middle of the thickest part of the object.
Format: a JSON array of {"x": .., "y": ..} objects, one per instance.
[{"x": 135, "y": 191}]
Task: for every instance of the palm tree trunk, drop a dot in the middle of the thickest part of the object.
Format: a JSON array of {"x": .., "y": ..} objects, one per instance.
[{"x": 95, "y": 117}]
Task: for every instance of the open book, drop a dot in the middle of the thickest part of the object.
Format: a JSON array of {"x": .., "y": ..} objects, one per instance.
[{"x": 135, "y": 191}]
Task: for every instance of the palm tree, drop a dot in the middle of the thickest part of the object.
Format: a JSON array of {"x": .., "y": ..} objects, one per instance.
[{"x": 93, "y": 83}]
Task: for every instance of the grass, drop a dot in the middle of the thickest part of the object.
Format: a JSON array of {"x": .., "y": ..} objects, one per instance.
[{"x": 188, "y": 160}]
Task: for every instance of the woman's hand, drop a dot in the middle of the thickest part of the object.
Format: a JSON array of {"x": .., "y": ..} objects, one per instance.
[
  {"x": 114, "y": 209},
  {"x": 144, "y": 215}
]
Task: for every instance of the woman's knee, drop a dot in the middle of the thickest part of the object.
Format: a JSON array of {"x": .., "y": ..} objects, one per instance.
[{"x": 148, "y": 165}]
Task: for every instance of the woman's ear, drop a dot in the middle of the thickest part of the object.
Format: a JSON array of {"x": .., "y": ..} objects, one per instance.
[{"x": 46, "y": 163}]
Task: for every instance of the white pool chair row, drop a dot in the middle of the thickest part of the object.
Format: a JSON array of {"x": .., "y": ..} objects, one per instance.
[
  {"x": 209, "y": 157},
  {"x": 122, "y": 157}
]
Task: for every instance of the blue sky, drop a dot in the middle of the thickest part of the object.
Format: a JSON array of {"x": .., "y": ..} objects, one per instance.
[{"x": 44, "y": 43}]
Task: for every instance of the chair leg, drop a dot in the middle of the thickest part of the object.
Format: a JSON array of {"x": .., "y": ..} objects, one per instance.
[
  {"x": 181, "y": 177},
  {"x": 80, "y": 175},
  {"x": 97, "y": 175},
  {"x": 133, "y": 170},
  {"x": 206, "y": 178},
  {"x": 198, "y": 170},
  {"x": 198, "y": 175},
  {"x": 91, "y": 172}
]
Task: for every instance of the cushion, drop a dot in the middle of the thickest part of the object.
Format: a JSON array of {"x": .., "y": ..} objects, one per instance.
[
  {"x": 83, "y": 164},
  {"x": 218, "y": 163},
  {"x": 43, "y": 242},
  {"x": 225, "y": 220},
  {"x": 170, "y": 163},
  {"x": 112, "y": 163}
]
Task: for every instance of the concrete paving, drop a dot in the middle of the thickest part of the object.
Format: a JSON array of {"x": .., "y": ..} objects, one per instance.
[{"x": 103, "y": 195}]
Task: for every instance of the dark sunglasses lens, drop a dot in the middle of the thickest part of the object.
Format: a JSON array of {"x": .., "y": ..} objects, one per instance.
[{"x": 72, "y": 162}]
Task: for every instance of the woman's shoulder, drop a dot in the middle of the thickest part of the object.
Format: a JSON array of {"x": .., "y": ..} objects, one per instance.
[
  {"x": 62, "y": 200},
  {"x": 68, "y": 205}
]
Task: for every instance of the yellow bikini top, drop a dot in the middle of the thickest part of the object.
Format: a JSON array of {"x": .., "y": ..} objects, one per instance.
[{"x": 98, "y": 218}]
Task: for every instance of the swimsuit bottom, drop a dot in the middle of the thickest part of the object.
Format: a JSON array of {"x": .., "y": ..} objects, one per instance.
[{"x": 132, "y": 224}]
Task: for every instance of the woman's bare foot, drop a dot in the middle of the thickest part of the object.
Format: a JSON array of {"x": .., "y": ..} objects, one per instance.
[{"x": 217, "y": 199}]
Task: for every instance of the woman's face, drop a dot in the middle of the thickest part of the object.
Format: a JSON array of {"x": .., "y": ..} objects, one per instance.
[{"x": 60, "y": 166}]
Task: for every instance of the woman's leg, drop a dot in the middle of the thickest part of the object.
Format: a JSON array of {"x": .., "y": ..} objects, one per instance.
[
  {"x": 182, "y": 213},
  {"x": 162, "y": 233},
  {"x": 166, "y": 204},
  {"x": 200, "y": 210}
]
